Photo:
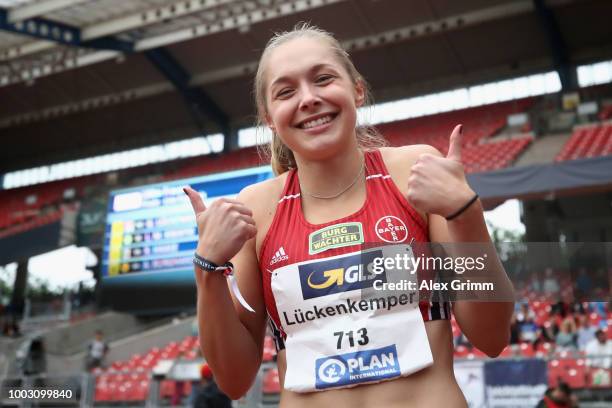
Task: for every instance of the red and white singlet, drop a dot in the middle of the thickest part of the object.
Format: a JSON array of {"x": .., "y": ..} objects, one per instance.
[{"x": 386, "y": 217}]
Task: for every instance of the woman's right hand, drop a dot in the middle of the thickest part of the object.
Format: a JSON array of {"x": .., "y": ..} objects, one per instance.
[{"x": 223, "y": 228}]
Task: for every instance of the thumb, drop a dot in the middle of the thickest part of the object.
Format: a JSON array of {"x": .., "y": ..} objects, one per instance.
[
  {"x": 454, "y": 144},
  {"x": 196, "y": 200}
]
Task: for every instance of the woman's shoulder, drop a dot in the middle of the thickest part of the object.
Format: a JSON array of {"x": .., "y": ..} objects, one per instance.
[
  {"x": 262, "y": 197},
  {"x": 400, "y": 159},
  {"x": 408, "y": 153}
]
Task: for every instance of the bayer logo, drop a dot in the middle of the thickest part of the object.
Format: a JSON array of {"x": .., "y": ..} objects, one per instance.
[
  {"x": 332, "y": 371},
  {"x": 391, "y": 229}
]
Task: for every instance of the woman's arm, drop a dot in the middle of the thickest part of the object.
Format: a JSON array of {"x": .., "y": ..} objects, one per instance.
[
  {"x": 485, "y": 324},
  {"x": 436, "y": 186},
  {"x": 231, "y": 337}
]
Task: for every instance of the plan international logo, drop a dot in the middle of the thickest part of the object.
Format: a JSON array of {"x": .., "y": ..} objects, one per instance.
[
  {"x": 355, "y": 368},
  {"x": 352, "y": 272}
]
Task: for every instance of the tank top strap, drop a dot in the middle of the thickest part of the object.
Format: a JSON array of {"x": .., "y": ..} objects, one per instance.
[
  {"x": 291, "y": 188},
  {"x": 375, "y": 166}
]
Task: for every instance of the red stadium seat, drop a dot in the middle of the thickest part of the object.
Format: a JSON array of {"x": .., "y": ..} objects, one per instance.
[
  {"x": 271, "y": 382},
  {"x": 587, "y": 141}
]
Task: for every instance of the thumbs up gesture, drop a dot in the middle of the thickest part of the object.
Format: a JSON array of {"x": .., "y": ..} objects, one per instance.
[
  {"x": 437, "y": 185},
  {"x": 223, "y": 228}
]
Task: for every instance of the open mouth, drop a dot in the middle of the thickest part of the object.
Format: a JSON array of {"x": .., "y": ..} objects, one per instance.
[{"x": 320, "y": 121}]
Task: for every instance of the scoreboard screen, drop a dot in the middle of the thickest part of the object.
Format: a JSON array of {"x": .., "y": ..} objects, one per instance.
[{"x": 150, "y": 238}]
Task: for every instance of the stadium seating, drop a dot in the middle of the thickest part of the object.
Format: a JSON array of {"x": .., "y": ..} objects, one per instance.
[
  {"x": 269, "y": 350},
  {"x": 25, "y": 225},
  {"x": 243, "y": 158},
  {"x": 23, "y": 206},
  {"x": 479, "y": 124},
  {"x": 271, "y": 382},
  {"x": 587, "y": 141},
  {"x": 129, "y": 380},
  {"x": 605, "y": 113},
  {"x": 493, "y": 156},
  {"x": 30, "y": 207},
  {"x": 569, "y": 366}
]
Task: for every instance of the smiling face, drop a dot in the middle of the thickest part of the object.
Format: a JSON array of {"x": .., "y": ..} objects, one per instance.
[{"x": 311, "y": 99}]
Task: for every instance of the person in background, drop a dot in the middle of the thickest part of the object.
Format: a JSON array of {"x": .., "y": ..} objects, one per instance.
[
  {"x": 514, "y": 330},
  {"x": 599, "y": 308},
  {"x": 525, "y": 313},
  {"x": 550, "y": 328},
  {"x": 599, "y": 358},
  {"x": 551, "y": 285},
  {"x": 96, "y": 351},
  {"x": 585, "y": 332},
  {"x": 209, "y": 395},
  {"x": 584, "y": 284},
  {"x": 528, "y": 329},
  {"x": 566, "y": 338},
  {"x": 560, "y": 396}
]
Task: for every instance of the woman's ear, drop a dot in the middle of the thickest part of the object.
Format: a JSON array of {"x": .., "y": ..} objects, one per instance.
[
  {"x": 269, "y": 123},
  {"x": 359, "y": 93}
]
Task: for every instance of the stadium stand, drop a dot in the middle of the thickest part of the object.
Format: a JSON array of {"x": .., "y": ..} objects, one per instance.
[
  {"x": 271, "y": 382},
  {"x": 606, "y": 112},
  {"x": 480, "y": 123},
  {"x": 493, "y": 155},
  {"x": 100, "y": 102},
  {"x": 588, "y": 141},
  {"x": 24, "y": 206},
  {"x": 128, "y": 380}
]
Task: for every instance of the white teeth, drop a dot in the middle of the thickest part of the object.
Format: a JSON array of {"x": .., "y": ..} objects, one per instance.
[{"x": 317, "y": 122}]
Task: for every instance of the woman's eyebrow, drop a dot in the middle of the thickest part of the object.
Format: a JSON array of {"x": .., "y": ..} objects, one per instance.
[{"x": 312, "y": 69}]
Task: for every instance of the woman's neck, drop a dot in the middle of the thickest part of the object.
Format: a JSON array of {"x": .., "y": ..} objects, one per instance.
[{"x": 328, "y": 178}]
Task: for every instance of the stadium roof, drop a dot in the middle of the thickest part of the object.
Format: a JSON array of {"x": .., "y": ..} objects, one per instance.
[{"x": 81, "y": 77}]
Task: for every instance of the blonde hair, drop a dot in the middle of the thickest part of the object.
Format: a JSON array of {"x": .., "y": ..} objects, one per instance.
[{"x": 280, "y": 156}]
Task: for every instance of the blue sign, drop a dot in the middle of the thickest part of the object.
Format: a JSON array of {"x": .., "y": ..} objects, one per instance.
[
  {"x": 358, "y": 367},
  {"x": 339, "y": 275}
]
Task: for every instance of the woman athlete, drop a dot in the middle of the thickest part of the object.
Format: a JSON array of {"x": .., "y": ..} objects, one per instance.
[{"x": 293, "y": 242}]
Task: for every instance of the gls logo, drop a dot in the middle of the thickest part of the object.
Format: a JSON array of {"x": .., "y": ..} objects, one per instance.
[
  {"x": 339, "y": 275},
  {"x": 354, "y": 368}
]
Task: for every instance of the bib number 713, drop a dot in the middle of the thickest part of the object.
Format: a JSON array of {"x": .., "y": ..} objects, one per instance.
[{"x": 362, "y": 338}]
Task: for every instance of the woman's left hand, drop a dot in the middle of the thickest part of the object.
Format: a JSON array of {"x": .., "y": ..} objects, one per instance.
[{"x": 437, "y": 185}]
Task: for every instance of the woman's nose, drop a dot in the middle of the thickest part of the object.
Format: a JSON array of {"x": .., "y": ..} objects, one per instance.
[{"x": 309, "y": 98}]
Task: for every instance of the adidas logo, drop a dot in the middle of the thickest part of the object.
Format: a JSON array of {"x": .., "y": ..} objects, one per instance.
[{"x": 279, "y": 256}]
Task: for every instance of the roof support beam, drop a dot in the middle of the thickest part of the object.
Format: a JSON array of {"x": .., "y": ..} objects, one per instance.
[
  {"x": 39, "y": 8},
  {"x": 558, "y": 47},
  {"x": 122, "y": 24},
  {"x": 42, "y": 29},
  {"x": 407, "y": 33},
  {"x": 60, "y": 33},
  {"x": 243, "y": 21},
  {"x": 199, "y": 103}
]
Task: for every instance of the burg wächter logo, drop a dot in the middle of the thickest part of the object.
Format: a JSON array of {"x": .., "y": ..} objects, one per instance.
[{"x": 355, "y": 368}]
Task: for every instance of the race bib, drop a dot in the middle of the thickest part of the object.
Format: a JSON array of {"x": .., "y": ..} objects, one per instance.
[{"x": 344, "y": 325}]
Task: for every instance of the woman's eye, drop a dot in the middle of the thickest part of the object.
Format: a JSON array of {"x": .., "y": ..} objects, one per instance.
[
  {"x": 283, "y": 93},
  {"x": 324, "y": 78}
]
